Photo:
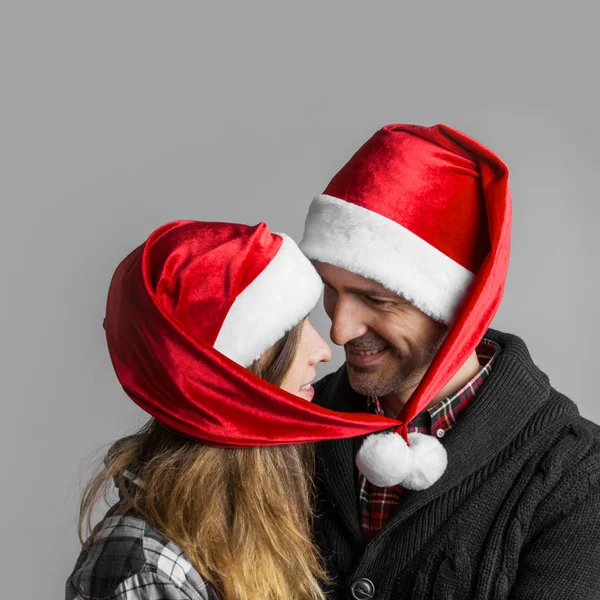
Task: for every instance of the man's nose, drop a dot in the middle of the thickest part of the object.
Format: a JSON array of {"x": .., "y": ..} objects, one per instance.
[{"x": 346, "y": 323}]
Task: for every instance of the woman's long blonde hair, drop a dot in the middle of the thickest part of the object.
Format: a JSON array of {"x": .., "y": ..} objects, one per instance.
[{"x": 242, "y": 516}]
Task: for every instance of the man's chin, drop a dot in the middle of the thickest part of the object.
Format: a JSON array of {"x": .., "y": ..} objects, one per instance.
[
  {"x": 363, "y": 369},
  {"x": 367, "y": 381}
]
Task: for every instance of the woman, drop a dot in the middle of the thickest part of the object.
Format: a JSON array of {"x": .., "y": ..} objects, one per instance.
[{"x": 206, "y": 329}]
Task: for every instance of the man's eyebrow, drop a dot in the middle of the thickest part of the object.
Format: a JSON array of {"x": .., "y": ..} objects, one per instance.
[
  {"x": 371, "y": 292},
  {"x": 366, "y": 291}
]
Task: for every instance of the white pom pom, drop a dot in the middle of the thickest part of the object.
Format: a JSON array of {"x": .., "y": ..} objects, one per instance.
[
  {"x": 385, "y": 460},
  {"x": 430, "y": 461}
]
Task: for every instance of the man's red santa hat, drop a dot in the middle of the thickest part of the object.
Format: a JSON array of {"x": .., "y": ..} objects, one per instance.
[
  {"x": 426, "y": 212},
  {"x": 193, "y": 306}
]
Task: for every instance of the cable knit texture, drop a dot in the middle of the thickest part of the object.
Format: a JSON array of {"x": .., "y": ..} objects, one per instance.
[{"x": 516, "y": 514}]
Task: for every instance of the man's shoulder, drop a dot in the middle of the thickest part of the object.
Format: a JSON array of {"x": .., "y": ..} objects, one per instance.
[
  {"x": 125, "y": 549},
  {"x": 580, "y": 432},
  {"x": 567, "y": 471},
  {"x": 569, "y": 446}
]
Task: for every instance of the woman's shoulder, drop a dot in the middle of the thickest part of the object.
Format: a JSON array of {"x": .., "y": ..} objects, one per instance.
[{"x": 126, "y": 558}]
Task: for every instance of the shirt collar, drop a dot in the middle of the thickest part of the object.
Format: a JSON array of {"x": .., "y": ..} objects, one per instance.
[{"x": 439, "y": 418}]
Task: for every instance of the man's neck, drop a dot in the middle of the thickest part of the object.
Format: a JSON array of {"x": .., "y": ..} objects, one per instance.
[{"x": 394, "y": 403}]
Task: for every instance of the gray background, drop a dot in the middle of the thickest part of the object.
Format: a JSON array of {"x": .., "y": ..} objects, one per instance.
[{"x": 118, "y": 116}]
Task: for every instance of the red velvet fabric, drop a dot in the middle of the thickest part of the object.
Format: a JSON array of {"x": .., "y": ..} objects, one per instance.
[
  {"x": 198, "y": 269},
  {"x": 412, "y": 176},
  {"x": 484, "y": 296},
  {"x": 166, "y": 302}
]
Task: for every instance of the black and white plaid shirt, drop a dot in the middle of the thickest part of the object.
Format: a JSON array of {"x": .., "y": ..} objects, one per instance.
[{"x": 129, "y": 560}]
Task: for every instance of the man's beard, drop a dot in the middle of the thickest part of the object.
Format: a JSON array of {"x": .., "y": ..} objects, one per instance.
[{"x": 396, "y": 374}]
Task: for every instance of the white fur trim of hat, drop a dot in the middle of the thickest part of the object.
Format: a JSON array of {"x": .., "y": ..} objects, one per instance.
[{"x": 274, "y": 303}]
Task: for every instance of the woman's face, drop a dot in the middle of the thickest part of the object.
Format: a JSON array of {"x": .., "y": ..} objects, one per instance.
[{"x": 312, "y": 349}]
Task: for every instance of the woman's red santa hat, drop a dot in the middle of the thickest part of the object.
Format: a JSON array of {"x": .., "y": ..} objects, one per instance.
[
  {"x": 426, "y": 212},
  {"x": 195, "y": 304}
]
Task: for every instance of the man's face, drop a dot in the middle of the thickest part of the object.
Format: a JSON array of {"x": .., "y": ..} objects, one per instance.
[{"x": 389, "y": 343}]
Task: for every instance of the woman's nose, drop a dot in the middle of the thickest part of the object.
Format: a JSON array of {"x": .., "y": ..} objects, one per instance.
[{"x": 321, "y": 350}]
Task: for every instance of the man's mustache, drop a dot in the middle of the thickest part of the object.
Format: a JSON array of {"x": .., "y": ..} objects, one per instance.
[{"x": 367, "y": 343}]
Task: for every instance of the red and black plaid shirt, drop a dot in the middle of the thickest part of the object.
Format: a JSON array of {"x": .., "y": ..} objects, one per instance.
[{"x": 376, "y": 504}]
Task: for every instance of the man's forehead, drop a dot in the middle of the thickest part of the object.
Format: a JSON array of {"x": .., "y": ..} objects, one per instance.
[{"x": 343, "y": 280}]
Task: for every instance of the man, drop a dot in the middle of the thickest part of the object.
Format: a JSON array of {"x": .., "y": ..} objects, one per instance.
[{"x": 411, "y": 239}]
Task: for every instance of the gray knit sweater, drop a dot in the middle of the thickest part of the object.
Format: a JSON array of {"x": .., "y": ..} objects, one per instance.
[{"x": 516, "y": 515}]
